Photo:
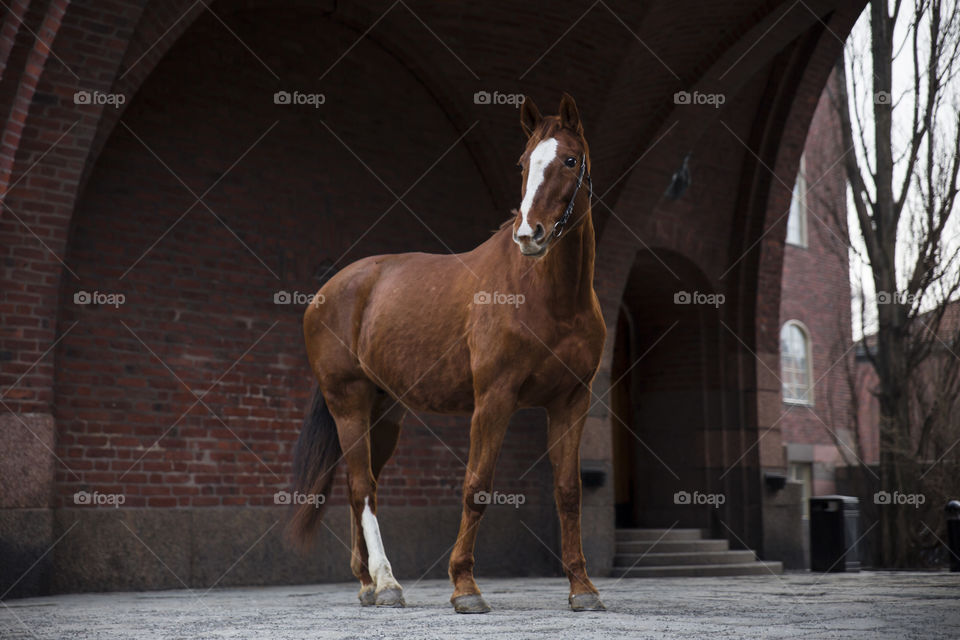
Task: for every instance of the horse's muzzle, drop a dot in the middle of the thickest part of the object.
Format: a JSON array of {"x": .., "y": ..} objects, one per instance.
[
  {"x": 530, "y": 247},
  {"x": 534, "y": 252}
]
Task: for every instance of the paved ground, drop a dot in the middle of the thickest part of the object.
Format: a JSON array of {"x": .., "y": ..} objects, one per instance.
[{"x": 865, "y": 605}]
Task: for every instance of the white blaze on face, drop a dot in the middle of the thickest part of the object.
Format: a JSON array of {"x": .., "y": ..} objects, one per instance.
[
  {"x": 540, "y": 159},
  {"x": 377, "y": 562}
]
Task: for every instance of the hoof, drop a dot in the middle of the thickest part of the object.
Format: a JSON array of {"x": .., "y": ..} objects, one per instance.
[
  {"x": 470, "y": 603},
  {"x": 586, "y": 602},
  {"x": 367, "y": 596},
  {"x": 390, "y": 597}
]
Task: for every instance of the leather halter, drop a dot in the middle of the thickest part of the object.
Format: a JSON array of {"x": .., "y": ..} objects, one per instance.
[{"x": 559, "y": 224}]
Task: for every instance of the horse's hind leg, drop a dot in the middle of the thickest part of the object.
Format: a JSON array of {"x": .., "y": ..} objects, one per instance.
[
  {"x": 351, "y": 404},
  {"x": 384, "y": 432},
  {"x": 385, "y": 422}
]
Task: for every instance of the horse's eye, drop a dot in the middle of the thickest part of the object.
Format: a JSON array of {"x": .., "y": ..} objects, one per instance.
[{"x": 571, "y": 161}]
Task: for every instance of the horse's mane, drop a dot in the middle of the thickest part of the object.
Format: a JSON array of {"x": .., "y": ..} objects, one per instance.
[{"x": 506, "y": 223}]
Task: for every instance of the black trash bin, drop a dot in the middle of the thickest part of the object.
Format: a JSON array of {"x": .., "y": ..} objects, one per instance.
[
  {"x": 953, "y": 533},
  {"x": 834, "y": 522}
]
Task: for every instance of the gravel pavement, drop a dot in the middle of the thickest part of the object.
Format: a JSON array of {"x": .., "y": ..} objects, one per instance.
[{"x": 875, "y": 605}]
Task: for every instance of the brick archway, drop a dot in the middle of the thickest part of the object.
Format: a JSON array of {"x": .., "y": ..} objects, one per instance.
[
  {"x": 59, "y": 159},
  {"x": 747, "y": 152}
]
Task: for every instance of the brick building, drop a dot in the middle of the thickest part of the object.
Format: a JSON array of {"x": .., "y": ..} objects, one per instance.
[
  {"x": 816, "y": 350},
  {"x": 816, "y": 340},
  {"x": 161, "y": 196}
]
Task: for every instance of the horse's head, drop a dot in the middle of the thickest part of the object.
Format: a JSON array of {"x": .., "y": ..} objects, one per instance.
[{"x": 555, "y": 166}]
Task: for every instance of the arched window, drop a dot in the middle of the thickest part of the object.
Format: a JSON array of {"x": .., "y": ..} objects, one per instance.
[
  {"x": 795, "y": 364},
  {"x": 797, "y": 220}
]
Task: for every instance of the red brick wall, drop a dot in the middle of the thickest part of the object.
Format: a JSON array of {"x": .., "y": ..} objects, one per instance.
[
  {"x": 199, "y": 299},
  {"x": 816, "y": 292},
  {"x": 868, "y": 411}
]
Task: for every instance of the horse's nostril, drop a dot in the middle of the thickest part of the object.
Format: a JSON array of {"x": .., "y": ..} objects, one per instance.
[{"x": 538, "y": 234}]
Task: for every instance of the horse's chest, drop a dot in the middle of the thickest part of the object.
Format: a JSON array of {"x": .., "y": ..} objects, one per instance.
[
  {"x": 574, "y": 355},
  {"x": 567, "y": 360}
]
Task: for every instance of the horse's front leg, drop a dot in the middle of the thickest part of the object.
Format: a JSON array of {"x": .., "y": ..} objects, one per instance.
[
  {"x": 491, "y": 414},
  {"x": 567, "y": 417}
]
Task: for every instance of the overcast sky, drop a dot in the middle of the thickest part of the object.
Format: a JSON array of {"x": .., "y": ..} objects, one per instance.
[{"x": 859, "y": 71}]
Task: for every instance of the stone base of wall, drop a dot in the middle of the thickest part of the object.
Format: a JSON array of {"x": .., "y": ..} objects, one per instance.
[
  {"x": 785, "y": 532},
  {"x": 26, "y": 462},
  {"x": 26, "y": 562},
  {"x": 103, "y": 549},
  {"x": 26, "y": 487}
]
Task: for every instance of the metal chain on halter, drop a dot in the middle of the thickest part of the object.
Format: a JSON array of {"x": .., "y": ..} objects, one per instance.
[{"x": 558, "y": 226}]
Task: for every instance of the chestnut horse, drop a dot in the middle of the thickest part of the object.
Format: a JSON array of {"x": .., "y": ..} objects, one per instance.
[{"x": 422, "y": 332}]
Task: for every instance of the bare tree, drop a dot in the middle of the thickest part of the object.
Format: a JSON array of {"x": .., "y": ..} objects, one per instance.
[{"x": 900, "y": 122}]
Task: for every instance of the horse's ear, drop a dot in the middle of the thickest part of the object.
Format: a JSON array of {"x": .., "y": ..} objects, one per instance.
[
  {"x": 569, "y": 115},
  {"x": 529, "y": 116}
]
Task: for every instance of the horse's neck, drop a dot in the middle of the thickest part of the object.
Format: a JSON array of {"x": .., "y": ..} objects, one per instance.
[{"x": 566, "y": 272}]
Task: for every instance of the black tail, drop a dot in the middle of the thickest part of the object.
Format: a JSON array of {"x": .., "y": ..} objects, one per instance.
[{"x": 314, "y": 464}]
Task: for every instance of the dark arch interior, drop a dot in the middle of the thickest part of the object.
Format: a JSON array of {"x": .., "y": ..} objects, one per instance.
[{"x": 664, "y": 398}]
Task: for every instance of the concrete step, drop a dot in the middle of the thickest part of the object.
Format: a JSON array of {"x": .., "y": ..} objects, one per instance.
[
  {"x": 656, "y": 559},
  {"x": 652, "y": 535},
  {"x": 672, "y": 546},
  {"x": 699, "y": 570}
]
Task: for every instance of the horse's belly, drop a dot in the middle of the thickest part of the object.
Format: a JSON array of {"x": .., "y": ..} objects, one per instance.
[
  {"x": 441, "y": 385},
  {"x": 423, "y": 364},
  {"x": 440, "y": 396}
]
